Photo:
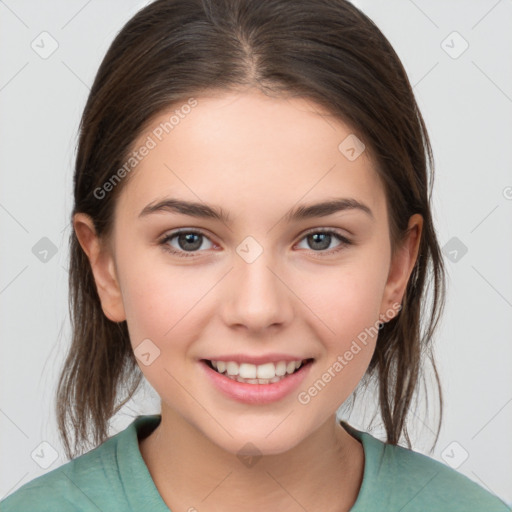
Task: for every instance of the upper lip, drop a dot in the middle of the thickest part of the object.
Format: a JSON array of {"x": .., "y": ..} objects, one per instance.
[{"x": 256, "y": 360}]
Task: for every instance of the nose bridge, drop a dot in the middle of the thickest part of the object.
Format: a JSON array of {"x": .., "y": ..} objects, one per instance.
[{"x": 258, "y": 297}]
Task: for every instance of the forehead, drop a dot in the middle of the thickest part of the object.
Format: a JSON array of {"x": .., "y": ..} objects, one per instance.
[{"x": 251, "y": 153}]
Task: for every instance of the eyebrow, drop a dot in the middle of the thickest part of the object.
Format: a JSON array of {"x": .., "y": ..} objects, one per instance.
[{"x": 203, "y": 210}]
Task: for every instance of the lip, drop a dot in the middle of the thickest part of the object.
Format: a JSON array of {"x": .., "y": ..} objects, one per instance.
[
  {"x": 256, "y": 393},
  {"x": 257, "y": 360}
]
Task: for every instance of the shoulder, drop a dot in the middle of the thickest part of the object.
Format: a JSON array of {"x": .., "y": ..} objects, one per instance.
[
  {"x": 428, "y": 481},
  {"x": 409, "y": 481},
  {"x": 78, "y": 485}
]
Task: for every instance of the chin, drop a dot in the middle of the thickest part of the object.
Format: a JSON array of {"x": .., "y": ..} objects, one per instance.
[{"x": 255, "y": 443}]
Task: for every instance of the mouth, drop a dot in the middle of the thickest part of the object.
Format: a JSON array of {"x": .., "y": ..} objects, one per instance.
[{"x": 268, "y": 373}]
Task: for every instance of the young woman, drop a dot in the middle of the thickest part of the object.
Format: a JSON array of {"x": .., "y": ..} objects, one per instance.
[{"x": 252, "y": 235}]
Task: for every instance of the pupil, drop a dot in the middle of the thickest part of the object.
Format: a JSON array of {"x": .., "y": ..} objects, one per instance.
[
  {"x": 316, "y": 239},
  {"x": 187, "y": 238}
]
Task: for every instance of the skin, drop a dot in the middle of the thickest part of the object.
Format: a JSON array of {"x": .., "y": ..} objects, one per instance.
[{"x": 257, "y": 157}]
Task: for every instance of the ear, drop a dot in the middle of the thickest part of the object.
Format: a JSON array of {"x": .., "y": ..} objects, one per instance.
[
  {"x": 103, "y": 267},
  {"x": 401, "y": 267}
]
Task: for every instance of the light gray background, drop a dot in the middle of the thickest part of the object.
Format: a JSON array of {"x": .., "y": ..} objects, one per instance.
[{"x": 466, "y": 100}]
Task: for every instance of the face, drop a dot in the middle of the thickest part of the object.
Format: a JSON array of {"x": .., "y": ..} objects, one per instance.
[{"x": 260, "y": 282}]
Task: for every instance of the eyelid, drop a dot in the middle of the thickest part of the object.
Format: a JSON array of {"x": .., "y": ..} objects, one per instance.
[
  {"x": 344, "y": 240},
  {"x": 178, "y": 231},
  {"x": 325, "y": 229}
]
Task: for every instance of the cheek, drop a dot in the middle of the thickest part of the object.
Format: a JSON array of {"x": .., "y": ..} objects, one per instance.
[
  {"x": 346, "y": 298},
  {"x": 163, "y": 306},
  {"x": 157, "y": 297},
  {"x": 159, "y": 302}
]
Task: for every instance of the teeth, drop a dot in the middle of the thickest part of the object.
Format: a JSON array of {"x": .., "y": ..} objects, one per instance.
[
  {"x": 267, "y": 371},
  {"x": 231, "y": 367}
]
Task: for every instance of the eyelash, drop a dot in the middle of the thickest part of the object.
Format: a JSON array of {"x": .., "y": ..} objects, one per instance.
[{"x": 184, "y": 254}]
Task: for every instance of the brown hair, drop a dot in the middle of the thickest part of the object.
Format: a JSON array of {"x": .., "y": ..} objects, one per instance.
[{"x": 323, "y": 50}]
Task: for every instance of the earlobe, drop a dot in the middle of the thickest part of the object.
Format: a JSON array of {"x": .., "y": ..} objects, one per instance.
[
  {"x": 102, "y": 266},
  {"x": 402, "y": 265}
]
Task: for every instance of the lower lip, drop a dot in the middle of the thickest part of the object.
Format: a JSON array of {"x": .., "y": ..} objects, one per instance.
[{"x": 257, "y": 393}]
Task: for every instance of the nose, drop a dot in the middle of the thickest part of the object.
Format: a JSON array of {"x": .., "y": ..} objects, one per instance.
[{"x": 256, "y": 295}]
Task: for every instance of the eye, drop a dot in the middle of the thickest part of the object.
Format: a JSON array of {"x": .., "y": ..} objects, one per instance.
[
  {"x": 189, "y": 241},
  {"x": 321, "y": 239}
]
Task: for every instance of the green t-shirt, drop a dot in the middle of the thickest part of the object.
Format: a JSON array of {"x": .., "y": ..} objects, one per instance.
[{"x": 114, "y": 477}]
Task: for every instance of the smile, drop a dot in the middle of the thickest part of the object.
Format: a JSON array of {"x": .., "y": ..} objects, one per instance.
[
  {"x": 267, "y": 373},
  {"x": 256, "y": 390}
]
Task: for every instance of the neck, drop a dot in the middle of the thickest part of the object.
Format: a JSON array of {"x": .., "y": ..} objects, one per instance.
[{"x": 323, "y": 472}]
